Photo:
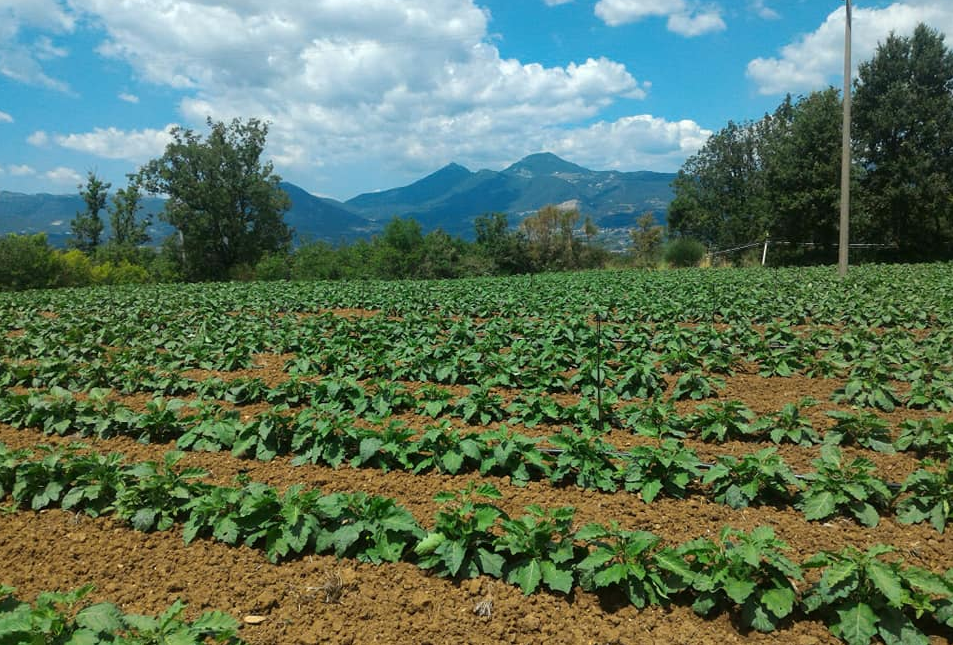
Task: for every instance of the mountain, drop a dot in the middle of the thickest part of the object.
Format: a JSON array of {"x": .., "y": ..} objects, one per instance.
[
  {"x": 312, "y": 218},
  {"x": 453, "y": 197},
  {"x": 450, "y": 198}
]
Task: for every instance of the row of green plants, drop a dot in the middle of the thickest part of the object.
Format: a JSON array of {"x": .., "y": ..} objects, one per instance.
[
  {"x": 860, "y": 595},
  {"x": 334, "y": 437},
  {"x": 884, "y": 296},
  {"x": 378, "y": 399},
  {"x": 63, "y": 617}
]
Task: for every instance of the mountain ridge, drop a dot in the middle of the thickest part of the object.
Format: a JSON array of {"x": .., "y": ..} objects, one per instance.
[{"x": 450, "y": 198}]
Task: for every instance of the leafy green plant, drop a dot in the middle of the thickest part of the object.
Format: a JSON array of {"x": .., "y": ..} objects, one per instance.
[
  {"x": 461, "y": 542},
  {"x": 861, "y": 429},
  {"x": 389, "y": 448},
  {"x": 669, "y": 467},
  {"x": 95, "y": 482},
  {"x": 729, "y": 420},
  {"x": 320, "y": 437},
  {"x": 443, "y": 448},
  {"x": 480, "y": 406},
  {"x": 541, "y": 549},
  {"x": 434, "y": 400},
  {"x": 370, "y": 528},
  {"x": 932, "y": 436},
  {"x": 930, "y": 496},
  {"x": 282, "y": 524},
  {"x": 759, "y": 478},
  {"x": 639, "y": 381},
  {"x": 43, "y": 483},
  {"x": 789, "y": 425},
  {"x": 509, "y": 453},
  {"x": 694, "y": 384},
  {"x": 861, "y": 596},
  {"x": 836, "y": 487},
  {"x": 583, "y": 460},
  {"x": 868, "y": 386},
  {"x": 624, "y": 560},
  {"x": 744, "y": 569},
  {"x": 158, "y": 493},
  {"x": 656, "y": 418}
]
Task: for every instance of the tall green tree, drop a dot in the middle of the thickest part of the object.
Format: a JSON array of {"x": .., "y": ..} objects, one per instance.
[
  {"x": 226, "y": 204},
  {"x": 127, "y": 230},
  {"x": 719, "y": 194},
  {"x": 802, "y": 176},
  {"x": 646, "y": 240},
  {"x": 504, "y": 246},
  {"x": 904, "y": 127},
  {"x": 87, "y": 227}
]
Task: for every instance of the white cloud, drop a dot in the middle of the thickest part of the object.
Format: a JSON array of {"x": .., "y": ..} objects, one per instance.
[
  {"x": 685, "y": 17},
  {"x": 641, "y": 141},
  {"x": 111, "y": 143},
  {"x": 5, "y": 118},
  {"x": 63, "y": 175},
  {"x": 762, "y": 10},
  {"x": 39, "y": 138},
  {"x": 128, "y": 98},
  {"x": 340, "y": 81},
  {"x": 816, "y": 59},
  {"x": 20, "y": 170},
  {"x": 22, "y": 61}
]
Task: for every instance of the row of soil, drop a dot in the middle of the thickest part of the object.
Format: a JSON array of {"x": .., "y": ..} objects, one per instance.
[
  {"x": 396, "y": 603},
  {"x": 675, "y": 521}
]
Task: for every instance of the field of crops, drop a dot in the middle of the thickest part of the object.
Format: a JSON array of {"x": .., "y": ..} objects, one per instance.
[{"x": 697, "y": 456}]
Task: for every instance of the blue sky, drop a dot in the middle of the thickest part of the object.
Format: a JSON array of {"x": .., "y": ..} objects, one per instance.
[{"x": 370, "y": 94}]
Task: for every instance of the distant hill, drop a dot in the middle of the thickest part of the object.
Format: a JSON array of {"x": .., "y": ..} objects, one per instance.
[
  {"x": 454, "y": 196},
  {"x": 312, "y": 218},
  {"x": 450, "y": 198}
]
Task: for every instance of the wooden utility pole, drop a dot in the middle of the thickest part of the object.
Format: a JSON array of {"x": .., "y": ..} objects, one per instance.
[{"x": 845, "y": 158}]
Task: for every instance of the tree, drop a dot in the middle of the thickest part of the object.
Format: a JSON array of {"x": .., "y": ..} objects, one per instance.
[
  {"x": 87, "y": 227},
  {"x": 399, "y": 249},
  {"x": 802, "y": 177},
  {"x": 227, "y": 205},
  {"x": 505, "y": 247},
  {"x": 903, "y": 124},
  {"x": 549, "y": 238},
  {"x": 26, "y": 262},
  {"x": 126, "y": 231},
  {"x": 646, "y": 240}
]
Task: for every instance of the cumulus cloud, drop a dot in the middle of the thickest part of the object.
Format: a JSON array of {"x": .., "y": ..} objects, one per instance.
[
  {"x": 63, "y": 175},
  {"x": 816, "y": 59},
  {"x": 338, "y": 80},
  {"x": 762, "y": 10},
  {"x": 5, "y": 118},
  {"x": 112, "y": 143},
  {"x": 685, "y": 17},
  {"x": 20, "y": 170},
  {"x": 128, "y": 98},
  {"x": 39, "y": 139},
  {"x": 22, "y": 61}
]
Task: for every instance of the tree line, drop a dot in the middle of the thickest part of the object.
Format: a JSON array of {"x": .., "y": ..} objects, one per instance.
[{"x": 778, "y": 178}]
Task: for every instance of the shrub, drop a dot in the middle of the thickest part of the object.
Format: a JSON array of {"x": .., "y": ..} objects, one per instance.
[
  {"x": 273, "y": 266},
  {"x": 73, "y": 269},
  {"x": 26, "y": 262},
  {"x": 684, "y": 252}
]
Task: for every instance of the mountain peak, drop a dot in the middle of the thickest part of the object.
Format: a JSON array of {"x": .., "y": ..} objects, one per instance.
[{"x": 544, "y": 163}]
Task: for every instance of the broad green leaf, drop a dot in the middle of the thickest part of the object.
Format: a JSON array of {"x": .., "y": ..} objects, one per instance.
[
  {"x": 818, "y": 506},
  {"x": 555, "y": 578},
  {"x": 887, "y": 582},
  {"x": 779, "y": 601},
  {"x": 526, "y": 575},
  {"x": 856, "y": 625},
  {"x": 101, "y": 618}
]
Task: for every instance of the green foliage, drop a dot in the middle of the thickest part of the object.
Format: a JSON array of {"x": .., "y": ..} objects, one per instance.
[
  {"x": 510, "y": 453},
  {"x": 226, "y": 205},
  {"x": 926, "y": 436},
  {"x": 788, "y": 425},
  {"x": 730, "y": 420},
  {"x": 669, "y": 467},
  {"x": 461, "y": 542},
  {"x": 126, "y": 231},
  {"x": 759, "y": 478},
  {"x": 370, "y": 528},
  {"x": 583, "y": 460},
  {"x": 26, "y": 262},
  {"x": 155, "y": 499},
  {"x": 87, "y": 227},
  {"x": 747, "y": 570},
  {"x": 861, "y": 429},
  {"x": 860, "y": 596},
  {"x": 541, "y": 549},
  {"x": 930, "y": 496},
  {"x": 684, "y": 252},
  {"x": 903, "y": 124},
  {"x": 623, "y": 560},
  {"x": 837, "y": 487}
]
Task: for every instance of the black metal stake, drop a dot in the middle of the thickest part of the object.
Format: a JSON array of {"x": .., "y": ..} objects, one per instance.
[{"x": 602, "y": 425}]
